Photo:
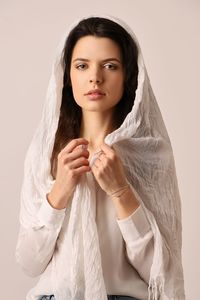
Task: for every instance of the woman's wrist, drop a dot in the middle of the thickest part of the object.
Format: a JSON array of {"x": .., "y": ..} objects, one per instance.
[
  {"x": 124, "y": 201},
  {"x": 120, "y": 191},
  {"x": 55, "y": 203}
]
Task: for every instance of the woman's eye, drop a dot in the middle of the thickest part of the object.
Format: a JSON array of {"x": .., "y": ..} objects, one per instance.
[
  {"x": 108, "y": 66},
  {"x": 81, "y": 66},
  {"x": 111, "y": 66}
]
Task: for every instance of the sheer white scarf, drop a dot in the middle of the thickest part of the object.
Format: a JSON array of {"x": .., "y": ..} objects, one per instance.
[{"x": 147, "y": 155}]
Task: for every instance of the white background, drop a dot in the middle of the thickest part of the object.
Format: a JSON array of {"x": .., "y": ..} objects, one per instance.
[{"x": 169, "y": 36}]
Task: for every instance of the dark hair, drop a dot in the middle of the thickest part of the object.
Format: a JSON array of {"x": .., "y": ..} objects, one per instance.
[{"x": 70, "y": 112}]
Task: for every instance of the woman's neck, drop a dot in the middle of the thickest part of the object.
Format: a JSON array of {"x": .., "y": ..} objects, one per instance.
[{"x": 94, "y": 128}]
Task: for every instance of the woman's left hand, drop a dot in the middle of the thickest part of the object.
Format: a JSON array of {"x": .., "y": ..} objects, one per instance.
[{"x": 108, "y": 170}]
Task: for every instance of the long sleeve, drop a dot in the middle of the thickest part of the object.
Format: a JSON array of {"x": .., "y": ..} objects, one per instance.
[
  {"x": 138, "y": 237},
  {"x": 36, "y": 244}
]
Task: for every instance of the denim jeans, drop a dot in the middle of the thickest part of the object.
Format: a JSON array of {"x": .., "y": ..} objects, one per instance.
[{"x": 110, "y": 297}]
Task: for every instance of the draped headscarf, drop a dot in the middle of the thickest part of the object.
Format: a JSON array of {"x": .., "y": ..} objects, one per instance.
[{"x": 145, "y": 149}]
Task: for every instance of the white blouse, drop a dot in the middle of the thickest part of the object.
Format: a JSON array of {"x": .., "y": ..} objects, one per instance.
[{"x": 126, "y": 247}]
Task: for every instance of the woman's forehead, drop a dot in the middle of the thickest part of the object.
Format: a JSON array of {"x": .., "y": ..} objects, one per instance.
[{"x": 89, "y": 47}]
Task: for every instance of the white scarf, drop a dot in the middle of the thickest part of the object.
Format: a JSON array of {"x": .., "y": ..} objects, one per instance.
[{"x": 147, "y": 156}]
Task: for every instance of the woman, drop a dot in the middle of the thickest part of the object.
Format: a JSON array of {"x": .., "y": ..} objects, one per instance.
[{"x": 100, "y": 209}]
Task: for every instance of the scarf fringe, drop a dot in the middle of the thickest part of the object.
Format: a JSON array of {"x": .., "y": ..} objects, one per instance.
[{"x": 156, "y": 289}]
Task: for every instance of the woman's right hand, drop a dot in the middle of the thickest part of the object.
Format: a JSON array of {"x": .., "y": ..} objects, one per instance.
[{"x": 72, "y": 162}]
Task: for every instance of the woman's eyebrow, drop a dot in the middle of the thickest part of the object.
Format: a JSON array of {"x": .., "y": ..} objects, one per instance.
[{"x": 104, "y": 60}]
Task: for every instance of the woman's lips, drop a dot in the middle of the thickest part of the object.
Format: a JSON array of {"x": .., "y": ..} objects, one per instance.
[{"x": 95, "y": 96}]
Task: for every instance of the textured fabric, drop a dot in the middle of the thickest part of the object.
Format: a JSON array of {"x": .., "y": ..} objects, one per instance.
[
  {"x": 51, "y": 297},
  {"x": 146, "y": 152},
  {"x": 109, "y": 297},
  {"x": 116, "y": 297},
  {"x": 126, "y": 247}
]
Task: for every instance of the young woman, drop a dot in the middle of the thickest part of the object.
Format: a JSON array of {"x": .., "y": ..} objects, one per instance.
[{"x": 100, "y": 209}]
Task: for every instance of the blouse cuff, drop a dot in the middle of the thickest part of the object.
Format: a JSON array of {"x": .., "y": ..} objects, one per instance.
[
  {"x": 49, "y": 215},
  {"x": 134, "y": 226}
]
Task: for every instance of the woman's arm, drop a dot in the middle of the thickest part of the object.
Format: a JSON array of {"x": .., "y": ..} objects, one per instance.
[
  {"x": 36, "y": 244},
  {"x": 136, "y": 232},
  {"x": 139, "y": 242}
]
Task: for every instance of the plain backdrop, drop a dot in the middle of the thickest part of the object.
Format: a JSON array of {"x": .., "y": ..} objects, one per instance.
[{"x": 169, "y": 36}]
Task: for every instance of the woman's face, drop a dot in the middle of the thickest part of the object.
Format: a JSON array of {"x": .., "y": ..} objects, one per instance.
[{"x": 97, "y": 64}]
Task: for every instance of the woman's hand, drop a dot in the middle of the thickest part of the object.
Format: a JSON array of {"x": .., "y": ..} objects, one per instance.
[
  {"x": 108, "y": 170},
  {"x": 109, "y": 173},
  {"x": 72, "y": 162}
]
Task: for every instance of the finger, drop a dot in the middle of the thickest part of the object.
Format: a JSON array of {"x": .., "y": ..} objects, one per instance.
[
  {"x": 101, "y": 155},
  {"x": 81, "y": 161},
  {"x": 81, "y": 170},
  {"x": 82, "y": 146},
  {"x": 109, "y": 151},
  {"x": 66, "y": 157},
  {"x": 101, "y": 161},
  {"x": 73, "y": 144},
  {"x": 97, "y": 163}
]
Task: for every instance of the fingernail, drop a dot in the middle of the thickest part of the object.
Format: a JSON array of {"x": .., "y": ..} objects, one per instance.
[{"x": 84, "y": 146}]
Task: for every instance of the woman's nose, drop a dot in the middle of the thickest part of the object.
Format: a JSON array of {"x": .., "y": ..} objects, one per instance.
[{"x": 96, "y": 76}]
